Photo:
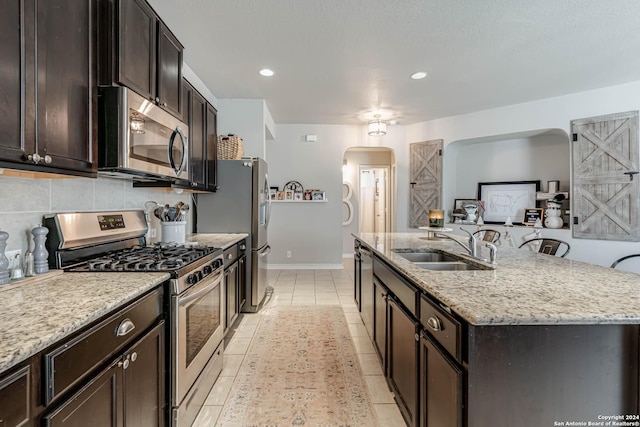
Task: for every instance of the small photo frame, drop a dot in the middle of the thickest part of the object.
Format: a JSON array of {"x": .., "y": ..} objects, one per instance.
[
  {"x": 317, "y": 195},
  {"x": 531, "y": 215},
  {"x": 273, "y": 191},
  {"x": 288, "y": 194},
  {"x": 297, "y": 196},
  {"x": 308, "y": 195},
  {"x": 279, "y": 195}
]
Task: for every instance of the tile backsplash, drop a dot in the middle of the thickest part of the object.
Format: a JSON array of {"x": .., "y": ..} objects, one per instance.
[{"x": 26, "y": 200}]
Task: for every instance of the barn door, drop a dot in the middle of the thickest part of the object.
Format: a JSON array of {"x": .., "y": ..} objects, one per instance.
[
  {"x": 605, "y": 181},
  {"x": 425, "y": 177}
]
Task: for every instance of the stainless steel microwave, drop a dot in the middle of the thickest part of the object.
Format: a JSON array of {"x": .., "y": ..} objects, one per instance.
[{"x": 136, "y": 138}]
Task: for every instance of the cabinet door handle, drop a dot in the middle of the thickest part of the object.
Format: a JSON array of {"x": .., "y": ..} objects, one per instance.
[
  {"x": 35, "y": 157},
  {"x": 47, "y": 159},
  {"x": 417, "y": 337},
  {"x": 434, "y": 323},
  {"x": 124, "y": 363},
  {"x": 125, "y": 327},
  {"x": 134, "y": 356}
]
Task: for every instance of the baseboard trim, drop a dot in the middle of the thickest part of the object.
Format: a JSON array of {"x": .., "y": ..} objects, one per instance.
[{"x": 305, "y": 266}]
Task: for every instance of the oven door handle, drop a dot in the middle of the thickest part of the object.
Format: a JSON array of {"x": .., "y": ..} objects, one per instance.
[{"x": 191, "y": 295}]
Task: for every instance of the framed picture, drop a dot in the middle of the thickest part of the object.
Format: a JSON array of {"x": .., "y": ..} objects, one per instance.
[
  {"x": 471, "y": 208},
  {"x": 288, "y": 194},
  {"x": 531, "y": 215},
  {"x": 297, "y": 196},
  {"x": 507, "y": 199},
  {"x": 308, "y": 194},
  {"x": 279, "y": 195},
  {"x": 317, "y": 195},
  {"x": 273, "y": 192}
]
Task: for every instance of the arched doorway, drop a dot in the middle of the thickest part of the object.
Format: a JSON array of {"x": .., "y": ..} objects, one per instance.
[{"x": 370, "y": 172}]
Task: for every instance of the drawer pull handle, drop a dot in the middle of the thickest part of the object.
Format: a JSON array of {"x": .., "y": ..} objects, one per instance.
[
  {"x": 434, "y": 323},
  {"x": 125, "y": 327},
  {"x": 134, "y": 356}
]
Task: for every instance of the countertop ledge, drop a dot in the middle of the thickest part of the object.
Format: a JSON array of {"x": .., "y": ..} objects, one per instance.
[
  {"x": 526, "y": 288},
  {"x": 219, "y": 240},
  {"x": 37, "y": 314}
]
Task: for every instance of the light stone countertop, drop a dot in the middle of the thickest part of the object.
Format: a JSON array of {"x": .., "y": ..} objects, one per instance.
[
  {"x": 37, "y": 314},
  {"x": 40, "y": 311},
  {"x": 526, "y": 288},
  {"x": 218, "y": 240}
]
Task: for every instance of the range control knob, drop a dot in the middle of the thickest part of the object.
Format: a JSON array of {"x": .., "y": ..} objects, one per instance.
[
  {"x": 199, "y": 275},
  {"x": 217, "y": 264},
  {"x": 207, "y": 269},
  {"x": 192, "y": 278}
]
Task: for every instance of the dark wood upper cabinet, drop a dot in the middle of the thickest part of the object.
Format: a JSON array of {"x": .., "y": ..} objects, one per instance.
[
  {"x": 48, "y": 94},
  {"x": 169, "y": 71},
  {"x": 137, "y": 50},
  {"x": 212, "y": 148},
  {"x": 136, "y": 67},
  {"x": 12, "y": 56},
  {"x": 201, "y": 118},
  {"x": 197, "y": 132}
]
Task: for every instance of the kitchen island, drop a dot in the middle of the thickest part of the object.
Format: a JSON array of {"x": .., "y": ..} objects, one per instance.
[{"x": 534, "y": 340}]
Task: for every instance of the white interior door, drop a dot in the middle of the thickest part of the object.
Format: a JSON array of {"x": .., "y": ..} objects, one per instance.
[{"x": 374, "y": 199}]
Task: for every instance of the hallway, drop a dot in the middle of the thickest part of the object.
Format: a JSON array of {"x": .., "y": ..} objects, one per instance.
[{"x": 300, "y": 288}]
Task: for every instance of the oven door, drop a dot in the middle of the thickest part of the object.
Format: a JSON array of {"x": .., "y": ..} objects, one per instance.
[{"x": 197, "y": 331}]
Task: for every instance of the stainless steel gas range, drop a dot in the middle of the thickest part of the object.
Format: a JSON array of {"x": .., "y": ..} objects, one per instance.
[{"x": 114, "y": 242}]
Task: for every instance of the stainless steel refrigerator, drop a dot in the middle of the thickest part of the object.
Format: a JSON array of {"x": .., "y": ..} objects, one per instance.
[{"x": 241, "y": 205}]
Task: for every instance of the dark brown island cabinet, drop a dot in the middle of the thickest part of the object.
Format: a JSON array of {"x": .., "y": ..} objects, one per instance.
[
  {"x": 48, "y": 88},
  {"x": 446, "y": 372},
  {"x": 201, "y": 117},
  {"x": 137, "y": 50},
  {"x": 111, "y": 373}
]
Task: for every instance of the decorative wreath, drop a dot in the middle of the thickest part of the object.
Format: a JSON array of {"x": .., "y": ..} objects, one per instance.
[{"x": 295, "y": 186}]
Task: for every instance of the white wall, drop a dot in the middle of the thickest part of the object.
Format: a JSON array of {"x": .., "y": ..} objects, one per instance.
[
  {"x": 543, "y": 157},
  {"x": 313, "y": 232},
  {"x": 551, "y": 113},
  {"x": 250, "y": 119}
]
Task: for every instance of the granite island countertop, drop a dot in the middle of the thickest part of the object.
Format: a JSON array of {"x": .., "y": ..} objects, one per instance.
[
  {"x": 37, "y": 314},
  {"x": 525, "y": 288}
]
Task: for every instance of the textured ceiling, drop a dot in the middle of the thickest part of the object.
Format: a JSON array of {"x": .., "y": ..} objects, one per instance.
[{"x": 337, "y": 60}]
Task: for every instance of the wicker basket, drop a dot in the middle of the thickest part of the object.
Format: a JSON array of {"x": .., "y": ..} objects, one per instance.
[{"x": 230, "y": 147}]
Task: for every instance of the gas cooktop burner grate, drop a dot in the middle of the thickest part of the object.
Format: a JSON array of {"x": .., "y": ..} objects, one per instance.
[{"x": 159, "y": 257}]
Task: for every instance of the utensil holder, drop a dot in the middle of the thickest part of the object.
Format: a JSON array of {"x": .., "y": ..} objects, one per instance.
[{"x": 173, "y": 231}]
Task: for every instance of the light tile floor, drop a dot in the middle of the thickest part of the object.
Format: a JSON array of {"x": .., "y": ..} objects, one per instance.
[{"x": 305, "y": 287}]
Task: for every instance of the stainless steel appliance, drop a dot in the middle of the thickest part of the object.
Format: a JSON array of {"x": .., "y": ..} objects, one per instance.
[
  {"x": 242, "y": 205},
  {"x": 114, "y": 242},
  {"x": 138, "y": 138}
]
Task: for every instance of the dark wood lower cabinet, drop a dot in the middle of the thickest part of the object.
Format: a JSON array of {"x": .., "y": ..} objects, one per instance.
[
  {"x": 15, "y": 400},
  {"x": 242, "y": 282},
  {"x": 441, "y": 381},
  {"x": 99, "y": 401},
  {"x": 231, "y": 290},
  {"x": 380, "y": 321},
  {"x": 129, "y": 391},
  {"x": 402, "y": 360}
]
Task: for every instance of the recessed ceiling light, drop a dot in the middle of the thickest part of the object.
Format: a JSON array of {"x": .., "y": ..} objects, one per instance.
[
  {"x": 419, "y": 75},
  {"x": 266, "y": 72}
]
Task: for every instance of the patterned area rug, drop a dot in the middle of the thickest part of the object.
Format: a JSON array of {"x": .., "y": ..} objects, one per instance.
[{"x": 300, "y": 370}]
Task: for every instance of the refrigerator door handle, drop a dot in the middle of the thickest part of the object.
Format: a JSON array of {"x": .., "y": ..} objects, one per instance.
[
  {"x": 266, "y": 181},
  {"x": 265, "y": 251}
]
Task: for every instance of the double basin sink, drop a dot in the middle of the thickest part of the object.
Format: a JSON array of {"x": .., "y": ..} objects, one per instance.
[{"x": 433, "y": 260}]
